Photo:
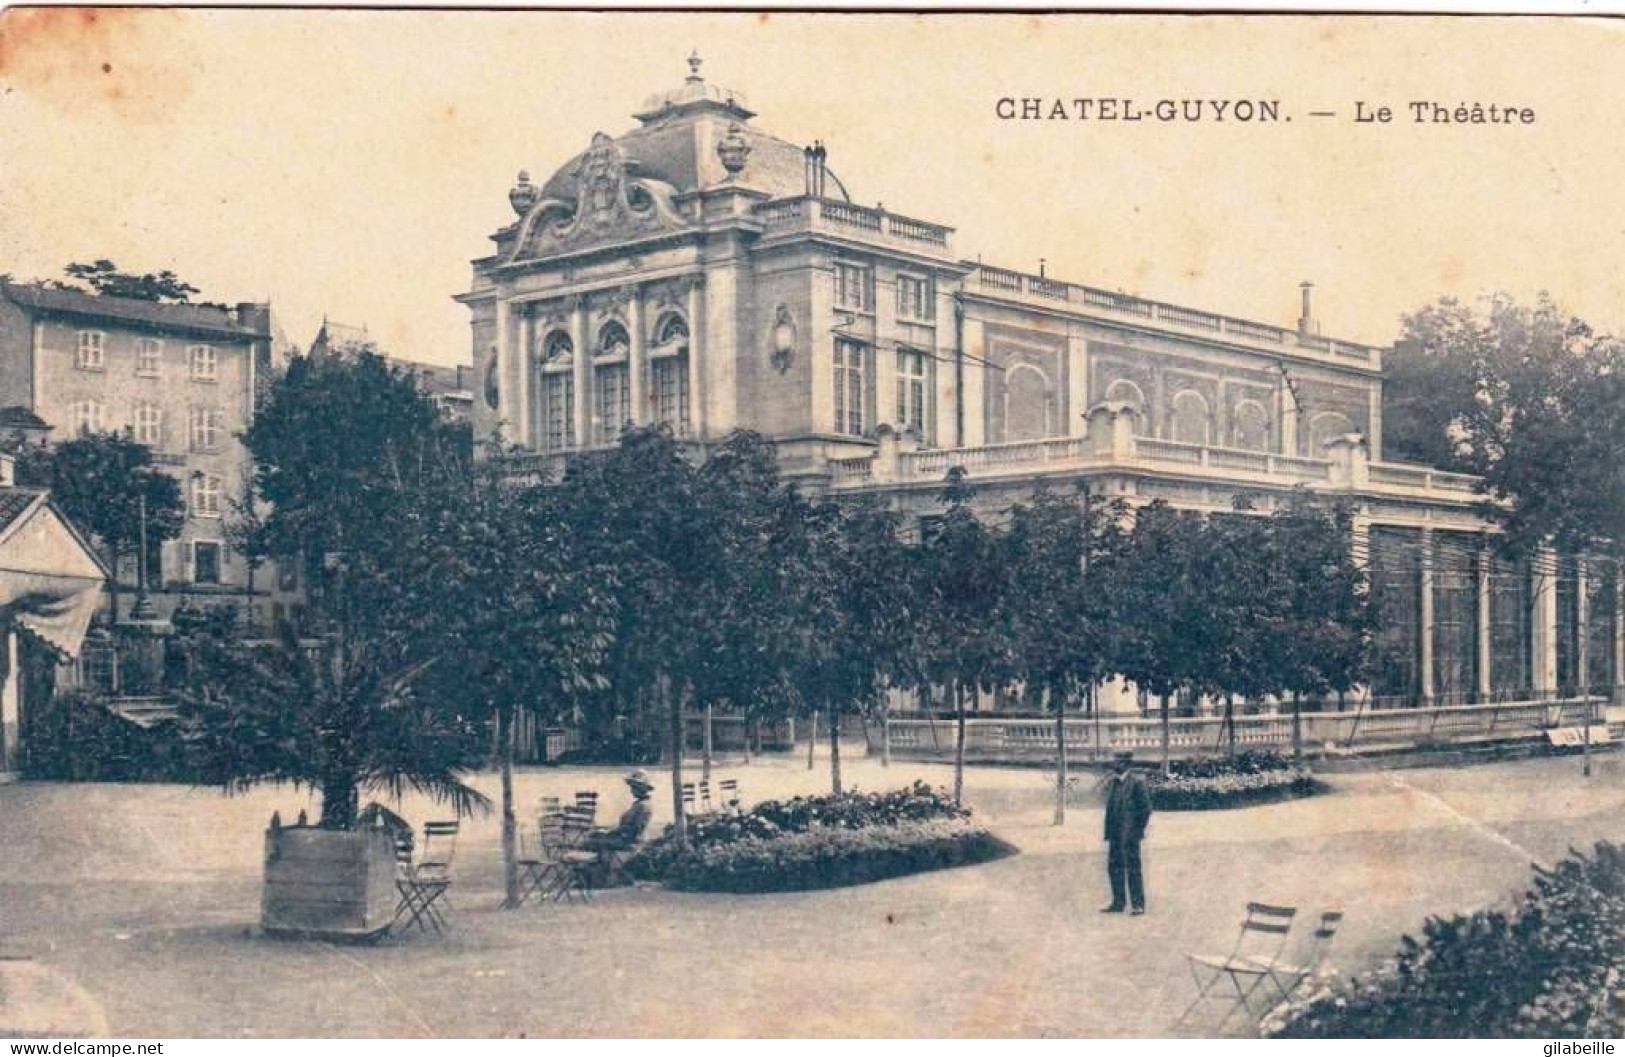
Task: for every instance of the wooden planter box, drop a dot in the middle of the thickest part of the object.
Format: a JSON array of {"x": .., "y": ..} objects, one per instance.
[{"x": 328, "y": 884}]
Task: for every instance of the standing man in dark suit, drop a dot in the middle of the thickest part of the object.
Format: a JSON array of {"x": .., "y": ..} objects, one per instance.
[{"x": 1128, "y": 811}]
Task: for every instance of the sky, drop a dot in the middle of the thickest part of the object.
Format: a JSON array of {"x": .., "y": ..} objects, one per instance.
[{"x": 349, "y": 164}]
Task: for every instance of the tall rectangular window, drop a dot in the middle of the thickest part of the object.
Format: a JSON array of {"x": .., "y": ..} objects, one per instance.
[
  {"x": 1602, "y": 625},
  {"x": 853, "y": 287},
  {"x": 206, "y": 427},
  {"x": 202, "y": 362},
  {"x": 914, "y": 300},
  {"x": 90, "y": 354},
  {"x": 614, "y": 401},
  {"x": 149, "y": 353},
  {"x": 559, "y": 410},
  {"x": 87, "y": 416},
  {"x": 850, "y": 391},
  {"x": 1396, "y": 593},
  {"x": 670, "y": 376},
  {"x": 1510, "y": 627},
  {"x": 149, "y": 425},
  {"x": 206, "y": 562},
  {"x": 911, "y": 390},
  {"x": 206, "y": 492},
  {"x": 1568, "y": 625},
  {"x": 1455, "y": 617}
]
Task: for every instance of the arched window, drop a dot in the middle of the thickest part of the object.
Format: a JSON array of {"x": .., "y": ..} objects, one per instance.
[
  {"x": 557, "y": 348},
  {"x": 1190, "y": 424},
  {"x": 1028, "y": 406},
  {"x": 1324, "y": 427},
  {"x": 668, "y": 373},
  {"x": 671, "y": 334},
  {"x": 1250, "y": 426},
  {"x": 1126, "y": 392},
  {"x": 613, "y": 341},
  {"x": 555, "y": 410}
]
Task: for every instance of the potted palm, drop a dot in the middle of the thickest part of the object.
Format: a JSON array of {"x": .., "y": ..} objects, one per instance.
[{"x": 343, "y": 715}]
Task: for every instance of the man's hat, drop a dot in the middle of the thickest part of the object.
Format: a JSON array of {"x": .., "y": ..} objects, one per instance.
[{"x": 639, "y": 780}]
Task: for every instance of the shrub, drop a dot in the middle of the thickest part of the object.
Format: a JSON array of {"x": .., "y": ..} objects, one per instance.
[
  {"x": 820, "y": 856},
  {"x": 820, "y": 842},
  {"x": 1230, "y": 781},
  {"x": 848, "y": 810},
  {"x": 1545, "y": 970}
]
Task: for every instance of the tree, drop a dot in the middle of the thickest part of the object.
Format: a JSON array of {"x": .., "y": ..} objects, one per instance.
[
  {"x": 964, "y": 640},
  {"x": 102, "y": 482},
  {"x": 1061, "y": 553},
  {"x": 1533, "y": 400},
  {"x": 105, "y": 278},
  {"x": 362, "y": 487},
  {"x": 1322, "y": 624},
  {"x": 340, "y": 448},
  {"x": 527, "y": 621},
  {"x": 640, "y": 510},
  {"x": 1167, "y": 625}
]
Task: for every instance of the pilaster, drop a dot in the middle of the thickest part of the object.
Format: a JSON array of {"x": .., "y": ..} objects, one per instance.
[
  {"x": 698, "y": 350},
  {"x": 581, "y": 365},
  {"x": 1425, "y": 623},
  {"x": 525, "y": 424},
  {"x": 637, "y": 367},
  {"x": 1543, "y": 619},
  {"x": 1482, "y": 639}
]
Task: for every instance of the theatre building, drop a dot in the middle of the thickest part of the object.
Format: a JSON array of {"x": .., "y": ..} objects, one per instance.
[{"x": 698, "y": 271}]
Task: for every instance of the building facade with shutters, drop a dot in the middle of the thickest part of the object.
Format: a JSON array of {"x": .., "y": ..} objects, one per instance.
[
  {"x": 182, "y": 379},
  {"x": 698, "y": 271}
]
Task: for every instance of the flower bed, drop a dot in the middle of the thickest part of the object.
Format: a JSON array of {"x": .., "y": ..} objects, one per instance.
[
  {"x": 1231, "y": 781},
  {"x": 820, "y": 842},
  {"x": 1549, "y": 969}
]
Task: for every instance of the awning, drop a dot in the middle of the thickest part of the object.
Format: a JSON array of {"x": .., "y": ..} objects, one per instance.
[{"x": 55, "y": 608}]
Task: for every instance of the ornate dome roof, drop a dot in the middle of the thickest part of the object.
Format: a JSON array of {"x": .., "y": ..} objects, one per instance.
[{"x": 676, "y": 143}]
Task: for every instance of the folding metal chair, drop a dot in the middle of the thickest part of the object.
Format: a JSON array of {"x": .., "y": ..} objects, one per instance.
[
  {"x": 439, "y": 847},
  {"x": 547, "y": 805},
  {"x": 729, "y": 790},
  {"x": 1287, "y": 976},
  {"x": 539, "y": 865},
  {"x": 705, "y": 796},
  {"x": 588, "y": 799},
  {"x": 688, "y": 798},
  {"x": 576, "y": 860},
  {"x": 1262, "y": 938},
  {"x": 420, "y": 894}
]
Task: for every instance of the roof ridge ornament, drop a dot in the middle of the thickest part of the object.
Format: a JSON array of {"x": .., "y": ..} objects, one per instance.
[{"x": 694, "y": 63}]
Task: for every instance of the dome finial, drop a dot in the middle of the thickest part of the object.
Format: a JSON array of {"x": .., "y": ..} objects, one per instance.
[{"x": 694, "y": 62}]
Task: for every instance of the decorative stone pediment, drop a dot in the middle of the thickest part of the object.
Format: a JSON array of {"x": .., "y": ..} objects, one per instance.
[{"x": 611, "y": 205}]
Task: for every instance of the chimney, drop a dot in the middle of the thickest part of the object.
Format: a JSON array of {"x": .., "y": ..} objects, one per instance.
[
  {"x": 8, "y": 471},
  {"x": 1307, "y": 324}
]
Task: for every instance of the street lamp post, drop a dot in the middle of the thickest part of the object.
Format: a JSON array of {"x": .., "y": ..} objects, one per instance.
[{"x": 143, "y": 609}]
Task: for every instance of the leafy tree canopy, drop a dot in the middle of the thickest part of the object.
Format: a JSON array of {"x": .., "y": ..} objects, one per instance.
[
  {"x": 105, "y": 278},
  {"x": 1526, "y": 396}
]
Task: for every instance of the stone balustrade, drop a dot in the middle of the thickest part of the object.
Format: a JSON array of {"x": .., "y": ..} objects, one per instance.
[
  {"x": 827, "y": 214},
  {"x": 1002, "y": 281},
  {"x": 1356, "y": 729}
]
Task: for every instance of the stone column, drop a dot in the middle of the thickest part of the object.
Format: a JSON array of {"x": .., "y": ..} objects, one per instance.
[
  {"x": 637, "y": 365},
  {"x": 1077, "y": 386},
  {"x": 582, "y": 366},
  {"x": 10, "y": 708},
  {"x": 505, "y": 383},
  {"x": 696, "y": 358},
  {"x": 1425, "y": 624},
  {"x": 1289, "y": 420},
  {"x": 1618, "y": 587},
  {"x": 1582, "y": 621},
  {"x": 1543, "y": 618},
  {"x": 525, "y": 420},
  {"x": 1485, "y": 661}
]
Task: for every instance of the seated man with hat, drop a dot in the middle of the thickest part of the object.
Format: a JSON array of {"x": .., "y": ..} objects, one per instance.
[{"x": 610, "y": 844}]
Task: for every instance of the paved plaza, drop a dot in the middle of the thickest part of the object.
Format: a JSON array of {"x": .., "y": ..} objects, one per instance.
[{"x": 143, "y": 901}]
